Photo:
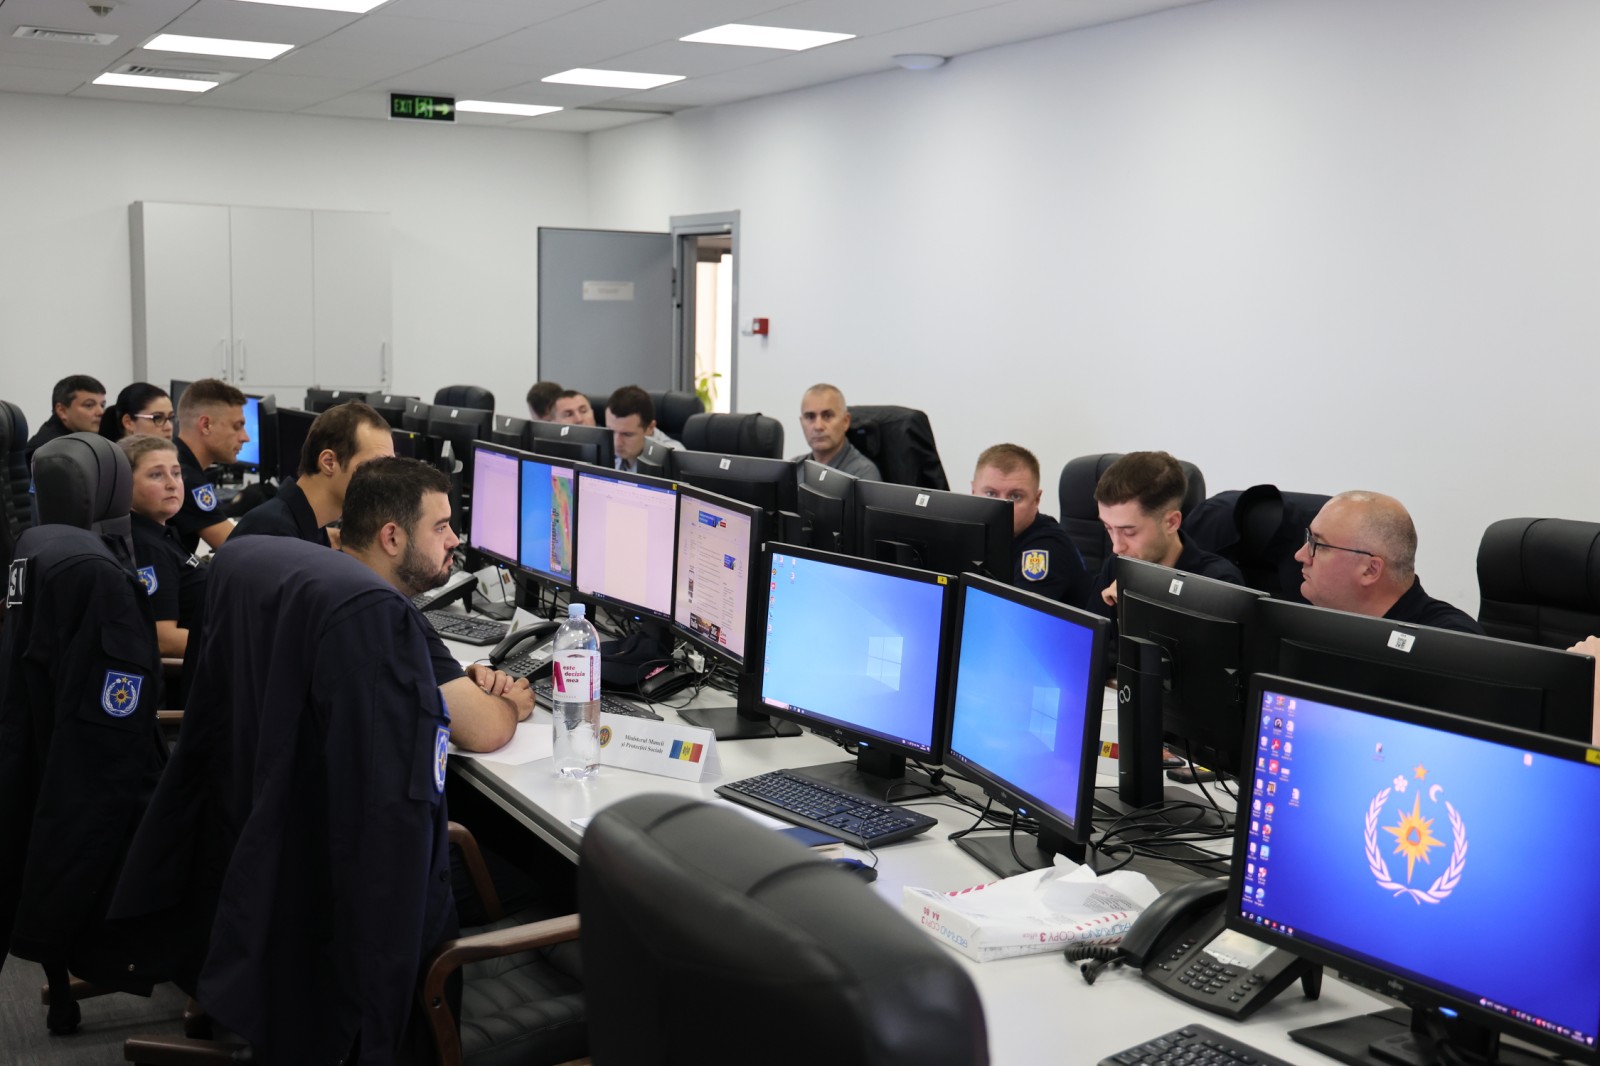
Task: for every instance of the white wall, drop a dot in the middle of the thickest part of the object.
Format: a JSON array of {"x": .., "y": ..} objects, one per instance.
[
  {"x": 465, "y": 205},
  {"x": 1326, "y": 245}
]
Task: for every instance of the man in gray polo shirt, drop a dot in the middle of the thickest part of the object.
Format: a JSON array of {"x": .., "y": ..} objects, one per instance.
[{"x": 825, "y": 420}]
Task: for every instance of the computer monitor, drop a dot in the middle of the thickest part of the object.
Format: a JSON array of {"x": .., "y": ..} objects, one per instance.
[
  {"x": 511, "y": 432},
  {"x": 415, "y": 416},
  {"x": 260, "y": 452},
  {"x": 319, "y": 400},
  {"x": 1025, "y": 695},
  {"x": 460, "y": 428},
  {"x": 766, "y": 483},
  {"x": 1184, "y": 655},
  {"x": 1358, "y": 858},
  {"x": 933, "y": 530},
  {"x": 546, "y": 545},
  {"x": 175, "y": 391},
  {"x": 825, "y": 501},
  {"x": 626, "y": 525},
  {"x": 409, "y": 445},
  {"x": 654, "y": 459},
  {"x": 293, "y": 428},
  {"x": 1522, "y": 685},
  {"x": 391, "y": 406},
  {"x": 854, "y": 650},
  {"x": 575, "y": 444},
  {"x": 496, "y": 503}
]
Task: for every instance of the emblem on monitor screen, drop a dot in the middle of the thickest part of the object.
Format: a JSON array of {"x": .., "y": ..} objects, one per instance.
[{"x": 1412, "y": 832}]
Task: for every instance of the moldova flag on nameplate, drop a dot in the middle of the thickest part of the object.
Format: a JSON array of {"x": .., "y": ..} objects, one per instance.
[{"x": 682, "y": 749}]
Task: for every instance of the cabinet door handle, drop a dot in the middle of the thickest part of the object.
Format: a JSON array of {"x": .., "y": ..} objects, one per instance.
[
  {"x": 383, "y": 366},
  {"x": 241, "y": 361},
  {"x": 224, "y": 346}
]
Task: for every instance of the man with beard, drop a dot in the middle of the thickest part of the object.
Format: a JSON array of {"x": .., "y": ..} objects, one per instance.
[{"x": 397, "y": 521}]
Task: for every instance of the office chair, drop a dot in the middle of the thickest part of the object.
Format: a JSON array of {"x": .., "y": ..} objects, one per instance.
[
  {"x": 465, "y": 396},
  {"x": 741, "y": 434},
  {"x": 1539, "y": 580},
  {"x": 1080, "y": 515},
  {"x": 900, "y": 441},
  {"x": 673, "y": 409},
  {"x": 80, "y": 680},
  {"x": 780, "y": 956},
  {"x": 1259, "y": 530},
  {"x": 597, "y": 404},
  {"x": 16, "y": 509}
]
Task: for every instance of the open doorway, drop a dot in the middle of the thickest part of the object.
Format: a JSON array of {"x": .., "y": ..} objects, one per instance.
[{"x": 705, "y": 254}]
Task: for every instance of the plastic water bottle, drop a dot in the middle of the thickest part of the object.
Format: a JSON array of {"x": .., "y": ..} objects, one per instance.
[{"x": 575, "y": 695}]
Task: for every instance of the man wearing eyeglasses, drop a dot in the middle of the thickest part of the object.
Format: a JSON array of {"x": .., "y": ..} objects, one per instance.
[{"x": 1360, "y": 556}]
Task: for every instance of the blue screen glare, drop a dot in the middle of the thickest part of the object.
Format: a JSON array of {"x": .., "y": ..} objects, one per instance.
[
  {"x": 250, "y": 454},
  {"x": 546, "y": 520},
  {"x": 854, "y": 648},
  {"x": 1416, "y": 850}
]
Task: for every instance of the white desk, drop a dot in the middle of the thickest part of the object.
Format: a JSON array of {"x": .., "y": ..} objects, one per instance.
[{"x": 1038, "y": 1009}]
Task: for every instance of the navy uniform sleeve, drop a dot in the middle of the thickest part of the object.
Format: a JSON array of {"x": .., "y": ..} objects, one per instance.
[
  {"x": 1049, "y": 563},
  {"x": 162, "y": 578},
  {"x": 446, "y": 667},
  {"x": 201, "y": 507}
]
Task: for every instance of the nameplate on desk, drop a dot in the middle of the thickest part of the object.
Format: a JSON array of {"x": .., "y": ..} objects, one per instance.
[{"x": 670, "y": 749}]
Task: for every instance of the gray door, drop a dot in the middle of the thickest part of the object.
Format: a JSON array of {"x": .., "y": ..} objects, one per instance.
[{"x": 605, "y": 309}]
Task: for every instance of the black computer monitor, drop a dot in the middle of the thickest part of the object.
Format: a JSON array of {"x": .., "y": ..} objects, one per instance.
[
  {"x": 1358, "y": 858},
  {"x": 933, "y": 530},
  {"x": 496, "y": 502},
  {"x": 654, "y": 459},
  {"x": 854, "y": 650},
  {"x": 293, "y": 428},
  {"x": 576, "y": 444},
  {"x": 511, "y": 432},
  {"x": 1025, "y": 695},
  {"x": 1522, "y": 685},
  {"x": 260, "y": 452},
  {"x": 409, "y": 445},
  {"x": 546, "y": 542},
  {"x": 460, "y": 428},
  {"x": 176, "y": 390},
  {"x": 626, "y": 525},
  {"x": 766, "y": 483},
  {"x": 825, "y": 501},
  {"x": 415, "y": 416},
  {"x": 391, "y": 406},
  {"x": 1184, "y": 656},
  {"x": 319, "y": 400}
]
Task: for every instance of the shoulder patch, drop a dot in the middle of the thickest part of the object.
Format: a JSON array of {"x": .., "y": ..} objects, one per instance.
[
  {"x": 119, "y": 696},
  {"x": 205, "y": 497},
  {"x": 16, "y": 582},
  {"x": 147, "y": 579},
  {"x": 1036, "y": 564},
  {"x": 441, "y": 756}
]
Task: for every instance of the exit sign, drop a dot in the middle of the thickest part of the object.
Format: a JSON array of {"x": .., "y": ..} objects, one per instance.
[{"x": 426, "y": 108}]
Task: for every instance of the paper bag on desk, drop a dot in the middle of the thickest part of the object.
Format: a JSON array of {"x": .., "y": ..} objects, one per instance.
[{"x": 1043, "y": 910}]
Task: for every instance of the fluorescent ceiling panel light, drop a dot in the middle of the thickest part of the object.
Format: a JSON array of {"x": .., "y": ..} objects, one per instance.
[
  {"x": 216, "y": 46},
  {"x": 354, "y": 7},
  {"x": 142, "y": 81},
  {"x": 494, "y": 107},
  {"x": 765, "y": 37},
  {"x": 612, "y": 79}
]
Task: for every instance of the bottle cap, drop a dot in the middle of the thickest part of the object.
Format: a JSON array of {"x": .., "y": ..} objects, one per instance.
[{"x": 574, "y": 610}]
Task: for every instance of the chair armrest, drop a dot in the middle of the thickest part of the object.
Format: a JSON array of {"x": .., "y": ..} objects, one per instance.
[
  {"x": 482, "y": 883},
  {"x": 454, "y": 954}
]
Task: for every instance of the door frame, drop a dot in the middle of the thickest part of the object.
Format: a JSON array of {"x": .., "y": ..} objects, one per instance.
[{"x": 686, "y": 229}]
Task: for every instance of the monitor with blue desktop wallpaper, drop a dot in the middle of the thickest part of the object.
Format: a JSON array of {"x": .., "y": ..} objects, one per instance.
[
  {"x": 495, "y": 503},
  {"x": 1025, "y": 696},
  {"x": 546, "y": 545},
  {"x": 854, "y": 650},
  {"x": 1442, "y": 860}
]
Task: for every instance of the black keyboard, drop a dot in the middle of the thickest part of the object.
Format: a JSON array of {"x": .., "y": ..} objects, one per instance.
[
  {"x": 466, "y": 628},
  {"x": 858, "y": 820},
  {"x": 1193, "y": 1045},
  {"x": 608, "y": 704}
]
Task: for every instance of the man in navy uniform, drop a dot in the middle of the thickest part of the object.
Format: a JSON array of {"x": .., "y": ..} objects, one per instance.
[
  {"x": 210, "y": 431},
  {"x": 77, "y": 403},
  {"x": 1047, "y": 562}
]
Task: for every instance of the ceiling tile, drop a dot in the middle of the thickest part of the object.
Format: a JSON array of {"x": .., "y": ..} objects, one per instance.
[
  {"x": 584, "y": 121},
  {"x": 273, "y": 92}
]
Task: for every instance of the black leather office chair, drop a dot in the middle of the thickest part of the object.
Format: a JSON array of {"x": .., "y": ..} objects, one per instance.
[
  {"x": 1080, "y": 515},
  {"x": 1539, "y": 580},
  {"x": 900, "y": 441},
  {"x": 735, "y": 434},
  {"x": 80, "y": 681},
  {"x": 726, "y": 921},
  {"x": 465, "y": 396},
  {"x": 16, "y": 509},
  {"x": 597, "y": 405},
  {"x": 673, "y": 409},
  {"x": 1259, "y": 530}
]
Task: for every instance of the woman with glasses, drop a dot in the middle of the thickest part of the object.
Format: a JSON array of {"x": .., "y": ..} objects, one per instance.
[{"x": 140, "y": 408}]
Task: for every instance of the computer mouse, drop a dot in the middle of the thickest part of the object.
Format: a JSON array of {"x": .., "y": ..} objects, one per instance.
[{"x": 857, "y": 867}]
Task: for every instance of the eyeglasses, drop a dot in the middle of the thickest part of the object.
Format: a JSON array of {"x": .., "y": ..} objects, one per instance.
[
  {"x": 1313, "y": 545},
  {"x": 159, "y": 419}
]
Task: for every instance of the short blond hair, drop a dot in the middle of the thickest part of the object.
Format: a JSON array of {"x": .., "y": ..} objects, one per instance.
[{"x": 138, "y": 445}]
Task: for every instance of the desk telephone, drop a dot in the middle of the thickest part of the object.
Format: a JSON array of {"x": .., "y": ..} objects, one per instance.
[
  {"x": 520, "y": 640},
  {"x": 1180, "y": 945}
]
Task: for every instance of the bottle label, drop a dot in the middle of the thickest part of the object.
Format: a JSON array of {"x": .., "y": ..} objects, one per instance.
[{"x": 576, "y": 676}]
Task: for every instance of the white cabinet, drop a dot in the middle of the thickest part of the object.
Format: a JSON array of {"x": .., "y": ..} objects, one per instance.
[{"x": 265, "y": 298}]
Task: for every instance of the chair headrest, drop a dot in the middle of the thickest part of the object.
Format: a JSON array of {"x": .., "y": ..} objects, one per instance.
[
  {"x": 465, "y": 396},
  {"x": 81, "y": 480}
]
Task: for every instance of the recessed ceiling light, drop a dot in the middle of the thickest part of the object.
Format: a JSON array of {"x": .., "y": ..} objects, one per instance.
[
  {"x": 216, "y": 46},
  {"x": 494, "y": 107},
  {"x": 612, "y": 79},
  {"x": 765, "y": 37},
  {"x": 143, "y": 81},
  {"x": 354, "y": 7}
]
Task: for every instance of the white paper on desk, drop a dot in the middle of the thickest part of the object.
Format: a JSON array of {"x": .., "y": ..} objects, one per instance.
[
  {"x": 1034, "y": 912},
  {"x": 533, "y": 740}
]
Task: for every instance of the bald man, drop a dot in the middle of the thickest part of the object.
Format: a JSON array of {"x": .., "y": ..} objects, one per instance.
[{"x": 1360, "y": 556}]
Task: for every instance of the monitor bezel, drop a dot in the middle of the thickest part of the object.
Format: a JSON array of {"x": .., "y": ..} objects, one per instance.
[
  {"x": 1075, "y": 829},
  {"x": 895, "y": 502},
  {"x": 756, "y": 567},
  {"x": 516, "y": 537},
  {"x": 1413, "y": 993},
  {"x": 813, "y": 482},
  {"x": 844, "y": 733},
  {"x": 556, "y": 580},
  {"x": 710, "y": 471},
  {"x": 579, "y": 472},
  {"x": 289, "y": 465},
  {"x": 556, "y": 432}
]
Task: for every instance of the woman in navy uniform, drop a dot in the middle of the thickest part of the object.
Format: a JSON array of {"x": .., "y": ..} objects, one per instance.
[{"x": 172, "y": 578}]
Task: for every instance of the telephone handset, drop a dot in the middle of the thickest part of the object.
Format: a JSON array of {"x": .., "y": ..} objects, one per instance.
[{"x": 519, "y": 640}]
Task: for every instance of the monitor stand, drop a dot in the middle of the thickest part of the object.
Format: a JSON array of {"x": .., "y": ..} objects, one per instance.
[
  {"x": 1034, "y": 852},
  {"x": 739, "y": 721},
  {"x": 873, "y": 773},
  {"x": 1399, "y": 1037}
]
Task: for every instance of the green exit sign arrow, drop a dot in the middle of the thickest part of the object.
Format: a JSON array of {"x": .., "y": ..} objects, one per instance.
[{"x": 420, "y": 106}]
